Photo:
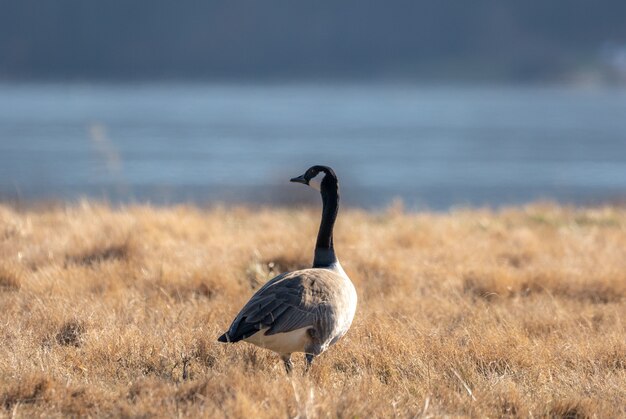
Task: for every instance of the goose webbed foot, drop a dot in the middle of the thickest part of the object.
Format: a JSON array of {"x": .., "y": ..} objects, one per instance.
[{"x": 287, "y": 361}]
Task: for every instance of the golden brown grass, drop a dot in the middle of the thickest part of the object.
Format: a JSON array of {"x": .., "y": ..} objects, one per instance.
[{"x": 115, "y": 312}]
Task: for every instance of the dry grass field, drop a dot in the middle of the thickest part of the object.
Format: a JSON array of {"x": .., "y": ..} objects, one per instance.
[{"x": 115, "y": 312}]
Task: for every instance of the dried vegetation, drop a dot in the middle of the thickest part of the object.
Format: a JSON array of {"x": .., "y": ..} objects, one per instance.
[{"x": 115, "y": 312}]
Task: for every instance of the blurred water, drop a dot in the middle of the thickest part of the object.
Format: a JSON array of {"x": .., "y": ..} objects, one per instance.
[{"x": 431, "y": 146}]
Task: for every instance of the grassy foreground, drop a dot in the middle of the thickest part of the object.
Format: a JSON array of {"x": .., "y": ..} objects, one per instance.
[{"x": 115, "y": 312}]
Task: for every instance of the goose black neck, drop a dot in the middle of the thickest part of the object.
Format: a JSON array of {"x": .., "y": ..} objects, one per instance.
[{"x": 324, "y": 250}]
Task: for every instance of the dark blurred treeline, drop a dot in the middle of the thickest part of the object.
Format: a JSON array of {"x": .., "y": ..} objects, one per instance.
[{"x": 281, "y": 39}]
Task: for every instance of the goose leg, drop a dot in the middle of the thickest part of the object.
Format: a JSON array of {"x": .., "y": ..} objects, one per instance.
[
  {"x": 309, "y": 361},
  {"x": 287, "y": 360}
]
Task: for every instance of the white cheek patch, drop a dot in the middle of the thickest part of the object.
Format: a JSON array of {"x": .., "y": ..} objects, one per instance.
[{"x": 316, "y": 182}]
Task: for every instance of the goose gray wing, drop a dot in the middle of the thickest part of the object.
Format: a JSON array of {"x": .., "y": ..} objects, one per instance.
[{"x": 287, "y": 302}]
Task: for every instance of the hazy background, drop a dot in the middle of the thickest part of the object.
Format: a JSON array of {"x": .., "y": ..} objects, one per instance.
[{"x": 439, "y": 103}]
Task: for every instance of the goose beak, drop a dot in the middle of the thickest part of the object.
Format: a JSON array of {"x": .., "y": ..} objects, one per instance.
[{"x": 300, "y": 179}]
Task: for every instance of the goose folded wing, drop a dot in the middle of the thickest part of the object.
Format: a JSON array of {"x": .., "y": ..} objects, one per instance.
[{"x": 280, "y": 307}]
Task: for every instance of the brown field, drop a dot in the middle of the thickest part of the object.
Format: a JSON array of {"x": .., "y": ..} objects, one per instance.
[{"x": 115, "y": 312}]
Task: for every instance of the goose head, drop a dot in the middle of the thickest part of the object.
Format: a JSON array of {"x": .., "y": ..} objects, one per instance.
[{"x": 326, "y": 181}]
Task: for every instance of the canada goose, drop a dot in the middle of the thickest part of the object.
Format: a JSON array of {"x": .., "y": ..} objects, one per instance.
[{"x": 306, "y": 310}]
